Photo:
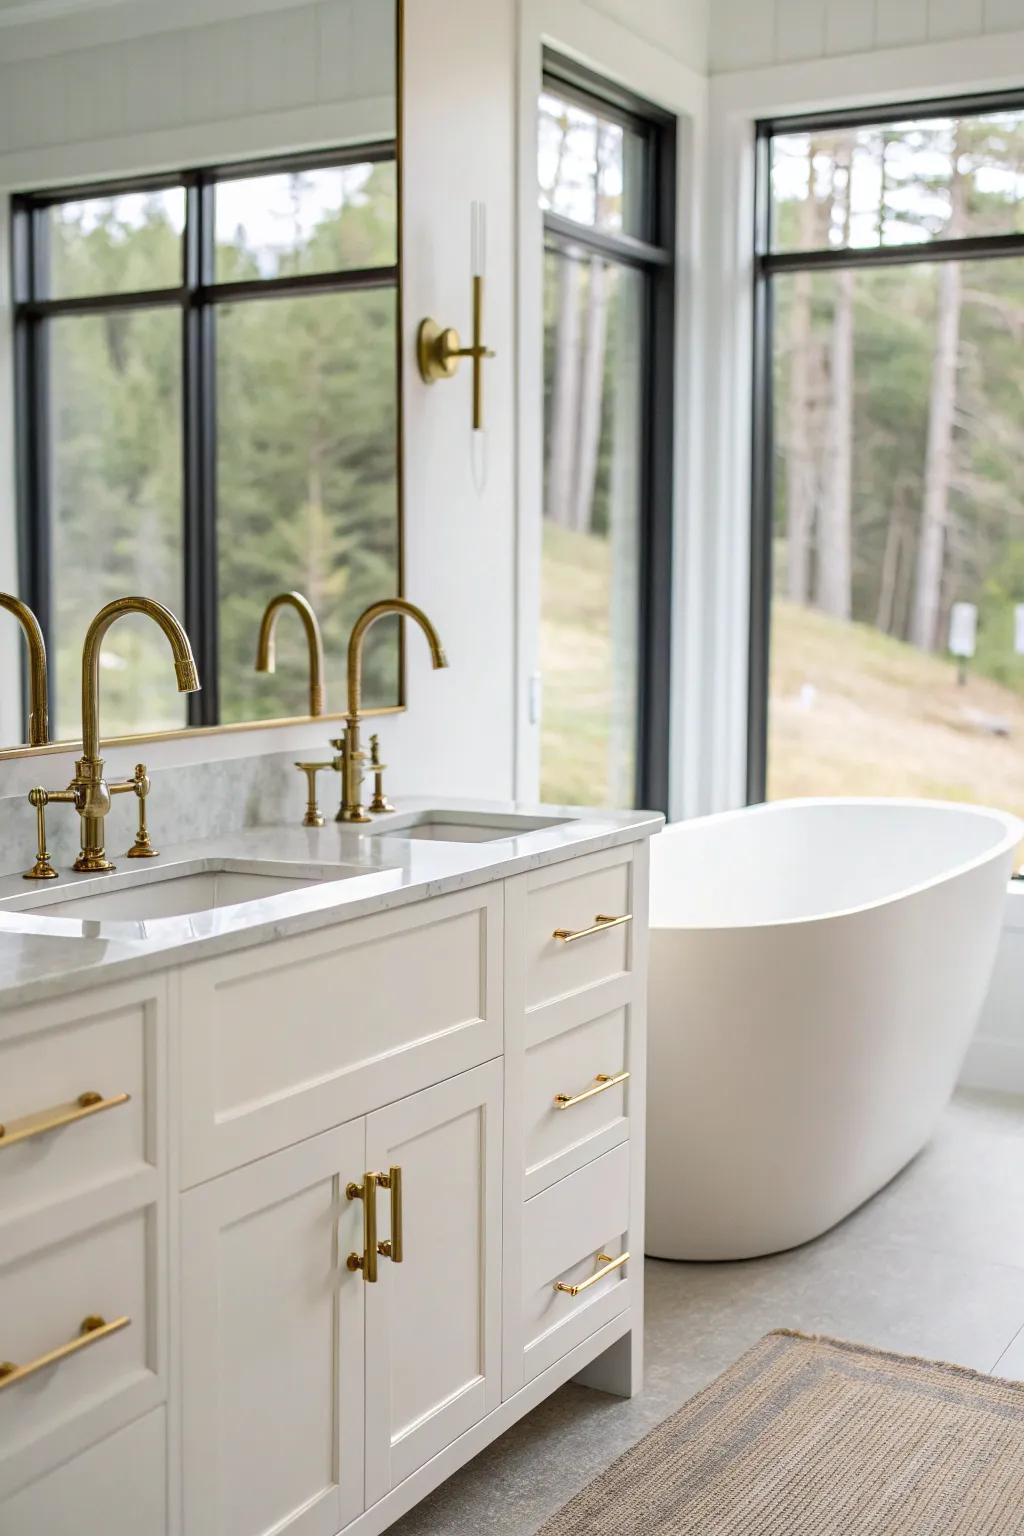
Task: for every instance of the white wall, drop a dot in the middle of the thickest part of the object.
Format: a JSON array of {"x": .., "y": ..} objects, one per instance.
[{"x": 749, "y": 34}]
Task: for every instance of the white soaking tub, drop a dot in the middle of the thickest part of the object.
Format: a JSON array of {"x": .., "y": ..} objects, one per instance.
[{"x": 817, "y": 970}]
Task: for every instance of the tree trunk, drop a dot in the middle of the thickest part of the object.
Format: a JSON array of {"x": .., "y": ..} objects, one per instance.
[
  {"x": 835, "y": 564},
  {"x": 800, "y": 459},
  {"x": 564, "y": 396},
  {"x": 931, "y": 549},
  {"x": 591, "y": 393}
]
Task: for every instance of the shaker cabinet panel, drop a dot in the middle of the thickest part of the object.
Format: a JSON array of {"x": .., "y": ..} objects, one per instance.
[
  {"x": 272, "y": 1366},
  {"x": 432, "y": 1320}
]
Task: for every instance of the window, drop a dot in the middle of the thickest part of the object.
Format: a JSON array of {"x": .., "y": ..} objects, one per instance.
[
  {"x": 207, "y": 392},
  {"x": 888, "y": 571},
  {"x": 606, "y": 172}
]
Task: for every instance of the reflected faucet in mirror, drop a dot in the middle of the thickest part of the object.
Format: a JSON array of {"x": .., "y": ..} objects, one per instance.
[
  {"x": 38, "y": 719},
  {"x": 89, "y": 792},
  {"x": 265, "y": 649}
]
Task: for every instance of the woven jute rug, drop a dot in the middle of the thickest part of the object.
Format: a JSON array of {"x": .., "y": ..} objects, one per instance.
[{"x": 813, "y": 1437}]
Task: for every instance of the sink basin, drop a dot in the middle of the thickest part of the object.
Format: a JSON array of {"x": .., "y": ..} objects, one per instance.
[
  {"x": 179, "y": 892},
  {"x": 466, "y": 826}
]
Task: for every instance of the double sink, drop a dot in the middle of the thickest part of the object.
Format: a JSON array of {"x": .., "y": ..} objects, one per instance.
[{"x": 209, "y": 884}]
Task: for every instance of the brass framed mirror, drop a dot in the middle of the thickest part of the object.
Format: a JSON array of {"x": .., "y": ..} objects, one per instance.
[{"x": 207, "y": 411}]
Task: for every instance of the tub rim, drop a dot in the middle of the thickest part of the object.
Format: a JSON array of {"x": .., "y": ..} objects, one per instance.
[{"x": 1013, "y": 827}]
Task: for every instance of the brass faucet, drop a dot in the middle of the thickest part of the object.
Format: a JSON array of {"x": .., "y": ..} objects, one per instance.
[
  {"x": 351, "y": 756},
  {"x": 38, "y": 720},
  {"x": 89, "y": 792},
  {"x": 265, "y": 657}
]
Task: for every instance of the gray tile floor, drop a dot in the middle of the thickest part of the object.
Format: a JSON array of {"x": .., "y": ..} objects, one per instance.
[{"x": 934, "y": 1266}]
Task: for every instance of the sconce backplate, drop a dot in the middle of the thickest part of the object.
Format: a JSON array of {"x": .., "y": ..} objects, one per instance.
[{"x": 437, "y": 351}]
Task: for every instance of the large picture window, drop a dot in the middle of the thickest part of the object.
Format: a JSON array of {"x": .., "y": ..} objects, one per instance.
[
  {"x": 606, "y": 171},
  {"x": 888, "y": 571},
  {"x": 207, "y": 393}
]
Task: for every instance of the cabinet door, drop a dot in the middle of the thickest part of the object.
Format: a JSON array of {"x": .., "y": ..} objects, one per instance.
[
  {"x": 432, "y": 1321},
  {"x": 272, "y": 1328}
]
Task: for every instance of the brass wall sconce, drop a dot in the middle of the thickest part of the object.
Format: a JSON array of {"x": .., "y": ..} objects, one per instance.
[{"x": 439, "y": 349}]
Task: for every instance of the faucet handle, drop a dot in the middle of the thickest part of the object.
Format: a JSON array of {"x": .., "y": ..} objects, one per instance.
[
  {"x": 313, "y": 816},
  {"x": 142, "y": 848},
  {"x": 42, "y": 869},
  {"x": 380, "y": 802}
]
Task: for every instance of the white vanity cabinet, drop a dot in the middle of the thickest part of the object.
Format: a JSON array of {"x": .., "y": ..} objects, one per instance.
[{"x": 473, "y": 1061}]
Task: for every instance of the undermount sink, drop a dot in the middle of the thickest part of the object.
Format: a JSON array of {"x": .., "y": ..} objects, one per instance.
[
  {"x": 466, "y": 826},
  {"x": 180, "y": 892}
]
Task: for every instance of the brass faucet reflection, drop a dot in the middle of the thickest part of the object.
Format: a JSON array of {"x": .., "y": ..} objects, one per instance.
[
  {"x": 265, "y": 649},
  {"x": 89, "y": 792},
  {"x": 352, "y": 757},
  {"x": 38, "y": 719}
]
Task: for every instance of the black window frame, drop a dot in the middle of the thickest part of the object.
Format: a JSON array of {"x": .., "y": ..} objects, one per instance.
[
  {"x": 197, "y": 297},
  {"x": 655, "y": 257},
  {"x": 768, "y": 264}
]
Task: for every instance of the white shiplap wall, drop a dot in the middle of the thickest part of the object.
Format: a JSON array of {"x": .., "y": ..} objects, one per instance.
[{"x": 753, "y": 34}]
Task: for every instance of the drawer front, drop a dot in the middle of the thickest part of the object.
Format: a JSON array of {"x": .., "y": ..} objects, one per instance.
[
  {"x": 75, "y": 1380},
  {"x": 116, "y": 1488},
  {"x": 76, "y": 1101},
  {"x": 574, "y": 1109},
  {"x": 571, "y": 1232},
  {"x": 282, "y": 1042},
  {"x": 568, "y": 899}
]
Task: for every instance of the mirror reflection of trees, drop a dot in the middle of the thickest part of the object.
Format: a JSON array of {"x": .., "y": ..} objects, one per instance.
[{"x": 898, "y": 436}]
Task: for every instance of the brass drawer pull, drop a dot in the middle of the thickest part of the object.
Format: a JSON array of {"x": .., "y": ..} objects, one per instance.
[
  {"x": 600, "y": 923},
  {"x": 93, "y": 1329},
  {"x": 608, "y": 1265},
  {"x": 62, "y": 1114},
  {"x": 367, "y": 1193},
  {"x": 393, "y": 1247},
  {"x": 602, "y": 1082}
]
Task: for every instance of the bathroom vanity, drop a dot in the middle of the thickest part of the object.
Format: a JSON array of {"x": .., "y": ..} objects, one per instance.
[{"x": 321, "y": 1165}]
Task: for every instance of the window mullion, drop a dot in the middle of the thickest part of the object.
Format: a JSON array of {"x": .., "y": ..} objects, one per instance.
[{"x": 199, "y": 573}]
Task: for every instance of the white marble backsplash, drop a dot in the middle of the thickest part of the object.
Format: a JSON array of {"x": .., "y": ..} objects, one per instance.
[{"x": 186, "y": 804}]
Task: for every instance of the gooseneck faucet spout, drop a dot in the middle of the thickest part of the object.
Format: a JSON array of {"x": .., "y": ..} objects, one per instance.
[
  {"x": 184, "y": 662},
  {"x": 38, "y": 719},
  {"x": 352, "y": 755},
  {"x": 265, "y": 649}
]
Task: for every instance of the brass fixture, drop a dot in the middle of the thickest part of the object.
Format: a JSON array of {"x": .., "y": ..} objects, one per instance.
[
  {"x": 602, "y": 1082},
  {"x": 393, "y": 1247},
  {"x": 89, "y": 792},
  {"x": 43, "y": 1120},
  {"x": 367, "y": 1260},
  {"x": 313, "y": 816},
  {"x": 599, "y": 925},
  {"x": 265, "y": 649},
  {"x": 380, "y": 802},
  {"x": 351, "y": 756},
  {"x": 91, "y": 1331},
  {"x": 38, "y": 719},
  {"x": 439, "y": 350},
  {"x": 609, "y": 1265}
]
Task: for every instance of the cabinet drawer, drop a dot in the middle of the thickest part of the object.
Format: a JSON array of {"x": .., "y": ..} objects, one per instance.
[
  {"x": 573, "y": 1108},
  {"x": 116, "y": 1488},
  {"x": 59, "y": 1139},
  {"x": 570, "y": 1233},
  {"x": 73, "y": 1383},
  {"x": 280, "y": 1043},
  {"x": 569, "y": 899}
]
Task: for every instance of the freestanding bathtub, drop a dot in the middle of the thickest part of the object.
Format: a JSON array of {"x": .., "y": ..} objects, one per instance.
[{"x": 817, "y": 970}]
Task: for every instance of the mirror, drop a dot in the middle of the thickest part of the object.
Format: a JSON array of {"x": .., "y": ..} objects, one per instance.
[{"x": 207, "y": 413}]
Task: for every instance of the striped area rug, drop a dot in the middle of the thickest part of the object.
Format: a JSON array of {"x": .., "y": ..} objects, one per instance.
[{"x": 814, "y": 1437}]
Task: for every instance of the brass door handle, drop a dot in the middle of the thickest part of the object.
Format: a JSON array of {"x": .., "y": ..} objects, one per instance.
[
  {"x": 92, "y": 1330},
  {"x": 608, "y": 1265},
  {"x": 367, "y": 1193},
  {"x": 393, "y": 1247},
  {"x": 44, "y": 1120},
  {"x": 600, "y": 923},
  {"x": 602, "y": 1082}
]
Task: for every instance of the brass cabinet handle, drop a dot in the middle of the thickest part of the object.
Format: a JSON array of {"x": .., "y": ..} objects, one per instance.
[
  {"x": 602, "y": 1082},
  {"x": 608, "y": 1264},
  {"x": 600, "y": 923},
  {"x": 367, "y": 1193},
  {"x": 92, "y": 1330},
  {"x": 393, "y": 1247},
  {"x": 61, "y": 1114}
]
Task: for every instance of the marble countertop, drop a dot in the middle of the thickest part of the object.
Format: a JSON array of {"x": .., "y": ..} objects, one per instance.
[{"x": 360, "y": 871}]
